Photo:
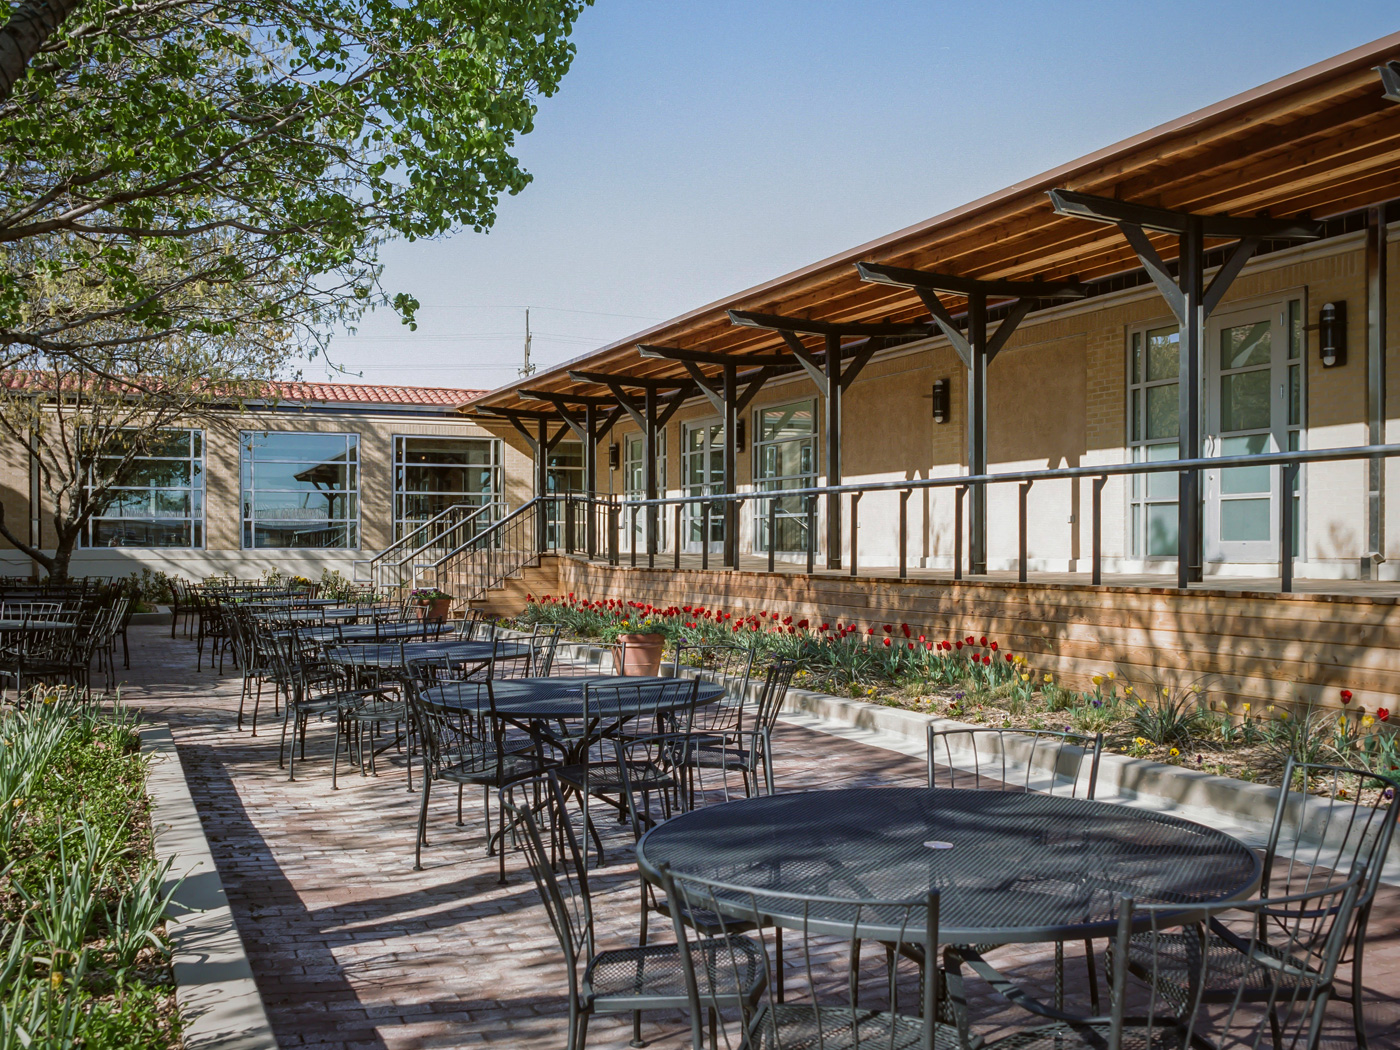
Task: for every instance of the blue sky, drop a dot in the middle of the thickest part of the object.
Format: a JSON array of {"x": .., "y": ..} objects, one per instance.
[{"x": 698, "y": 147}]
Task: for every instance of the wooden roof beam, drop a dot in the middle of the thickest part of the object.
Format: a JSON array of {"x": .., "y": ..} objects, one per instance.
[
  {"x": 806, "y": 326},
  {"x": 1166, "y": 220}
]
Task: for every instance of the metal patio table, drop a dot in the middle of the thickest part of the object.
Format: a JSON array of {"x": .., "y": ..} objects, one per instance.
[
  {"x": 318, "y": 615},
  {"x": 1010, "y": 867},
  {"x": 540, "y": 705},
  {"x": 35, "y": 625},
  {"x": 393, "y": 655},
  {"x": 369, "y": 632}
]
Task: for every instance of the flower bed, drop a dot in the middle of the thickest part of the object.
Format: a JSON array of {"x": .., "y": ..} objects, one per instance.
[
  {"x": 972, "y": 678},
  {"x": 83, "y": 961}
]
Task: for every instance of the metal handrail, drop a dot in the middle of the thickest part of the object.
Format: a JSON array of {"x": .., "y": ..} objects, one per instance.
[
  {"x": 1287, "y": 462},
  {"x": 491, "y": 545},
  {"x": 404, "y": 540}
]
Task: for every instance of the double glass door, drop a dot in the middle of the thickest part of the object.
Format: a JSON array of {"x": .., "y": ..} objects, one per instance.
[
  {"x": 702, "y": 473},
  {"x": 1253, "y": 405}
]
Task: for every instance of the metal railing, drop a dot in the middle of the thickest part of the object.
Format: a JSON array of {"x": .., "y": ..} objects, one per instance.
[
  {"x": 485, "y": 560},
  {"x": 1287, "y": 465},
  {"x": 399, "y": 565}
]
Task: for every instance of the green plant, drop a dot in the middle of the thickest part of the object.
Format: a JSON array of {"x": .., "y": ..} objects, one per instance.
[
  {"x": 1307, "y": 737},
  {"x": 1169, "y": 718}
]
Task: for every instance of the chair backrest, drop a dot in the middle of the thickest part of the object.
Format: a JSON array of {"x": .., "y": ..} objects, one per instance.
[
  {"x": 355, "y": 666},
  {"x": 1041, "y": 760},
  {"x": 1270, "y": 989},
  {"x": 825, "y": 998},
  {"x": 453, "y": 724},
  {"x": 664, "y": 708},
  {"x": 563, "y": 887},
  {"x": 506, "y": 664},
  {"x": 728, "y": 666},
  {"x": 544, "y": 639},
  {"x": 465, "y": 631},
  {"x": 777, "y": 679},
  {"x": 1329, "y": 821}
]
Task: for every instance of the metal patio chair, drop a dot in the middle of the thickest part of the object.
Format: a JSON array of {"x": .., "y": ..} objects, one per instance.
[
  {"x": 461, "y": 741},
  {"x": 377, "y": 702},
  {"x": 832, "y": 999},
  {"x": 1315, "y": 839},
  {"x": 1271, "y": 991},
  {"x": 616, "y": 980},
  {"x": 1042, "y": 760},
  {"x": 719, "y": 727}
]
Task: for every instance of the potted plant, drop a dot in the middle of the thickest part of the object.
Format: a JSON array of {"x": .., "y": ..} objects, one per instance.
[
  {"x": 433, "y": 604},
  {"x": 638, "y": 646}
]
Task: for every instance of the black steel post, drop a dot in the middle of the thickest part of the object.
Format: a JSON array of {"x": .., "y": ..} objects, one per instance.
[
  {"x": 959, "y": 494},
  {"x": 855, "y": 526},
  {"x": 812, "y": 532},
  {"x": 833, "y": 450},
  {"x": 633, "y": 544},
  {"x": 1021, "y": 520},
  {"x": 1288, "y": 478},
  {"x": 1376, "y": 279},
  {"x": 541, "y": 482},
  {"x": 731, "y": 464},
  {"x": 977, "y": 431},
  {"x": 705, "y": 534},
  {"x": 649, "y": 470},
  {"x": 904, "y": 532},
  {"x": 772, "y": 531},
  {"x": 614, "y": 526},
  {"x": 1097, "y": 554},
  {"x": 676, "y": 557},
  {"x": 1192, "y": 343},
  {"x": 590, "y": 476}
]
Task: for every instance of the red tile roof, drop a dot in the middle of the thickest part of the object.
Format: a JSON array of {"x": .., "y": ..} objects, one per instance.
[{"x": 366, "y": 394}]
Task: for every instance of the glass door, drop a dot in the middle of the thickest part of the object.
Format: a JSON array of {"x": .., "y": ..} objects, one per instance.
[
  {"x": 702, "y": 471},
  {"x": 1247, "y": 412}
]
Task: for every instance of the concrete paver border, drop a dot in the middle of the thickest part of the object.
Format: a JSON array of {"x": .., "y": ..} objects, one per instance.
[{"x": 215, "y": 990}]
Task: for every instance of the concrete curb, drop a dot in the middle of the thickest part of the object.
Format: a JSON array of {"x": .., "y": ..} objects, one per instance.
[
  {"x": 1121, "y": 777},
  {"x": 215, "y": 990}
]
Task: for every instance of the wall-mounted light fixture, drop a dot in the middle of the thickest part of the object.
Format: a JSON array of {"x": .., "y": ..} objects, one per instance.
[
  {"x": 1332, "y": 334},
  {"x": 614, "y": 453},
  {"x": 741, "y": 435},
  {"x": 942, "y": 400}
]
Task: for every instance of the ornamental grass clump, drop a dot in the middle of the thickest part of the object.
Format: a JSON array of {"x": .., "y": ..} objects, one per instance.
[
  {"x": 82, "y": 897},
  {"x": 1168, "y": 717}
]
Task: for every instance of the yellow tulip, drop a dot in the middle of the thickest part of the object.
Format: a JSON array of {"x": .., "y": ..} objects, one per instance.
[
  {"x": 1097, "y": 679},
  {"x": 1127, "y": 690},
  {"x": 1049, "y": 678}
]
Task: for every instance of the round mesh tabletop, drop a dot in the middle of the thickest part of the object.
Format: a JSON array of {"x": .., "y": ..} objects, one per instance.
[
  {"x": 367, "y": 631},
  {"x": 1009, "y": 866},
  {"x": 396, "y": 654},
  {"x": 35, "y": 625},
  {"x": 563, "y": 697}
]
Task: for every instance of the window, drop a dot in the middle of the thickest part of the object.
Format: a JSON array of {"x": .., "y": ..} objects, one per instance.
[
  {"x": 434, "y": 473},
  {"x": 300, "y": 490},
  {"x": 162, "y": 502},
  {"x": 785, "y": 457},
  {"x": 1154, "y": 425}
]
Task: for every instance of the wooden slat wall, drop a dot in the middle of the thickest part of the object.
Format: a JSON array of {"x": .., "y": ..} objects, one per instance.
[{"x": 1239, "y": 646}]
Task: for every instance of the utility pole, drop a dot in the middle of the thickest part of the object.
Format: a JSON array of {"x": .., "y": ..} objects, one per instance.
[{"x": 527, "y": 369}]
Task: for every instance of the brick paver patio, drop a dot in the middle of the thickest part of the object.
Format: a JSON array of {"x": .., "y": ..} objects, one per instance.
[{"x": 353, "y": 948}]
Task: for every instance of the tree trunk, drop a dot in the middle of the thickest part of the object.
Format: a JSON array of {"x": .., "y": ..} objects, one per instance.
[
  {"x": 30, "y": 25},
  {"x": 62, "y": 555}
]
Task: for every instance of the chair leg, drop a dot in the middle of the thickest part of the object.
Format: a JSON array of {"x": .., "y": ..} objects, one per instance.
[
  {"x": 335, "y": 755},
  {"x": 1093, "y": 976},
  {"x": 422, "y": 826},
  {"x": 1358, "y": 1017},
  {"x": 460, "y": 789}
]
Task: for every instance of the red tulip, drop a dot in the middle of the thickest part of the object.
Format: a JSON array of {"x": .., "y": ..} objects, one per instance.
[
  {"x": 1008, "y": 657},
  {"x": 958, "y": 644},
  {"x": 969, "y": 640},
  {"x": 887, "y": 643},
  {"x": 826, "y": 627},
  {"x": 983, "y": 641},
  {"x": 986, "y": 660},
  {"x": 905, "y": 628},
  {"x": 888, "y": 629},
  {"x": 1383, "y": 714},
  {"x": 994, "y": 647},
  {"x": 1346, "y": 696},
  {"x": 803, "y": 624}
]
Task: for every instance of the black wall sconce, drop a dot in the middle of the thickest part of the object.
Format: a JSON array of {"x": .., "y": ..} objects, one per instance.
[
  {"x": 613, "y": 454},
  {"x": 1332, "y": 334},
  {"x": 942, "y": 401},
  {"x": 741, "y": 435}
]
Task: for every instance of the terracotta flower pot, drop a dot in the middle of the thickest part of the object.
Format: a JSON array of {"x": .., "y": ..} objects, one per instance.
[
  {"x": 435, "y": 609},
  {"x": 639, "y": 655}
]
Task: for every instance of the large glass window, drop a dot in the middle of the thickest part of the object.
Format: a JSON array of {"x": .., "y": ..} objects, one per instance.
[
  {"x": 434, "y": 473},
  {"x": 300, "y": 489},
  {"x": 1154, "y": 426},
  {"x": 785, "y": 457},
  {"x": 161, "y": 503}
]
